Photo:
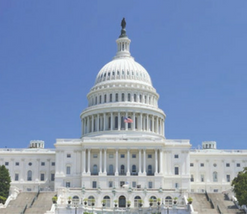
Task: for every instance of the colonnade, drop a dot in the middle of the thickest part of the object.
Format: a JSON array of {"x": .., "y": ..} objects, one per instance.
[
  {"x": 109, "y": 121},
  {"x": 103, "y": 166}
]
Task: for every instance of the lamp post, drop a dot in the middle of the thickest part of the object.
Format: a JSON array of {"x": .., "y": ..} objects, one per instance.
[{"x": 75, "y": 201}]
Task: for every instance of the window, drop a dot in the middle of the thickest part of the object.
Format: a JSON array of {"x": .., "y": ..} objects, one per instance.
[
  {"x": 136, "y": 201},
  {"x": 122, "y": 171},
  {"x": 149, "y": 169},
  {"x": 228, "y": 178},
  {"x": 133, "y": 184},
  {"x": 150, "y": 184},
  {"x": 129, "y": 97},
  {"x": 96, "y": 100},
  {"x": 116, "y": 97},
  {"x": 133, "y": 169},
  {"x": 95, "y": 155},
  {"x": 29, "y": 175},
  {"x": 202, "y": 178},
  {"x": 17, "y": 163},
  {"x": 53, "y": 163},
  {"x": 215, "y": 177},
  {"x": 94, "y": 184},
  {"x": 116, "y": 122},
  {"x": 140, "y": 98},
  {"x": 30, "y": 164},
  {"x": 6, "y": 163},
  {"x": 122, "y": 183},
  {"x": 68, "y": 170},
  {"x": 122, "y": 96},
  {"x": 176, "y": 156},
  {"x": 192, "y": 178},
  {"x": 111, "y": 169},
  {"x": 95, "y": 169},
  {"x": 42, "y": 176},
  {"x": 91, "y": 200},
  {"x": 52, "y": 177},
  {"x": 176, "y": 170},
  {"x": 16, "y": 177},
  {"x": 110, "y": 97},
  {"x": 110, "y": 184},
  {"x": 191, "y": 164},
  {"x": 68, "y": 155},
  {"x": 122, "y": 156},
  {"x": 100, "y": 99},
  {"x": 238, "y": 164},
  {"x": 176, "y": 185},
  {"x": 107, "y": 201},
  {"x": 42, "y": 163},
  {"x": 67, "y": 184},
  {"x": 168, "y": 201},
  {"x": 134, "y": 97},
  {"x": 227, "y": 165},
  {"x": 215, "y": 190},
  {"x": 111, "y": 156},
  {"x": 133, "y": 155},
  {"x": 105, "y": 98},
  {"x": 149, "y": 156},
  {"x": 215, "y": 165},
  {"x": 202, "y": 164}
]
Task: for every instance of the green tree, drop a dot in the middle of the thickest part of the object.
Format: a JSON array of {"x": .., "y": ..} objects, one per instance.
[
  {"x": 240, "y": 187},
  {"x": 4, "y": 183}
]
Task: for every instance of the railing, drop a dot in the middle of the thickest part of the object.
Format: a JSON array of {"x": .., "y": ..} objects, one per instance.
[{"x": 24, "y": 210}]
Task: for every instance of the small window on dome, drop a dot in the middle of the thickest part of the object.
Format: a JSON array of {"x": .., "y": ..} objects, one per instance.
[
  {"x": 122, "y": 72},
  {"x": 134, "y": 97},
  {"x": 109, "y": 73},
  {"x": 141, "y": 74},
  {"x": 116, "y": 98},
  {"x": 104, "y": 74},
  {"x": 100, "y": 99},
  {"x": 122, "y": 96},
  {"x": 113, "y": 73},
  {"x": 136, "y": 73},
  {"x": 128, "y": 73},
  {"x": 101, "y": 75},
  {"x": 118, "y": 73},
  {"x": 133, "y": 73}
]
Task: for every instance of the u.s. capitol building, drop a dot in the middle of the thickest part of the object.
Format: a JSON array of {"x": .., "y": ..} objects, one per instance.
[{"x": 123, "y": 153}]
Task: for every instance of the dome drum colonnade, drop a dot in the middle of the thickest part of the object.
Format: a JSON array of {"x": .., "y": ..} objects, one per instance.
[{"x": 123, "y": 89}]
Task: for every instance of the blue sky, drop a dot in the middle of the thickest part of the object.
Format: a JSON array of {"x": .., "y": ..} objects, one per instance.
[{"x": 194, "y": 51}]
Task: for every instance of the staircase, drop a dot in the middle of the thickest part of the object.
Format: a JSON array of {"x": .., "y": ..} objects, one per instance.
[{"x": 17, "y": 206}]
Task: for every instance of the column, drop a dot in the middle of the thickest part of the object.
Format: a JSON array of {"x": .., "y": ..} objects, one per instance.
[
  {"x": 88, "y": 161},
  {"x": 156, "y": 162},
  {"x": 157, "y": 125},
  {"x": 141, "y": 121},
  {"x": 134, "y": 121},
  {"x": 92, "y": 124},
  {"x": 104, "y": 121},
  {"x": 152, "y": 123},
  {"x": 128, "y": 162},
  {"x": 97, "y": 122},
  {"x": 111, "y": 121},
  {"x": 148, "y": 123},
  {"x": 88, "y": 124},
  {"x": 140, "y": 162},
  {"x": 119, "y": 121},
  {"x": 100, "y": 161},
  {"x": 161, "y": 161},
  {"x": 116, "y": 171},
  {"x": 105, "y": 161},
  {"x": 144, "y": 161},
  {"x": 84, "y": 161},
  {"x": 126, "y": 124}
]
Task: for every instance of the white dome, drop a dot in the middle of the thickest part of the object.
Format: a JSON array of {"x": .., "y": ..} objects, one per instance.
[{"x": 123, "y": 68}]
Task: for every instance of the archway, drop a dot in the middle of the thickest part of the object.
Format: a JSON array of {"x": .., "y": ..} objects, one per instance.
[{"x": 122, "y": 201}]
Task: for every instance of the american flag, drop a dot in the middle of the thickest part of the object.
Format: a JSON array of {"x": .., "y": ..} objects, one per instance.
[{"x": 128, "y": 120}]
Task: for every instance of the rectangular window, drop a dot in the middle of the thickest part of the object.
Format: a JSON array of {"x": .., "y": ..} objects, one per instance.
[
  {"x": 202, "y": 164},
  {"x": 228, "y": 179},
  {"x": 202, "y": 178},
  {"x": 149, "y": 156},
  {"x": 192, "y": 178},
  {"x": 110, "y": 184},
  {"x": 122, "y": 97},
  {"x": 122, "y": 183},
  {"x": 94, "y": 184},
  {"x": 42, "y": 176},
  {"x": 215, "y": 190},
  {"x": 191, "y": 164},
  {"x": 110, "y": 97},
  {"x": 68, "y": 155},
  {"x": 122, "y": 156},
  {"x": 17, "y": 163},
  {"x": 68, "y": 170},
  {"x": 42, "y": 163},
  {"x": 6, "y": 163},
  {"x": 116, "y": 98},
  {"x": 16, "y": 177},
  {"x": 105, "y": 98},
  {"x": 111, "y": 156},
  {"x": 238, "y": 164},
  {"x": 133, "y": 184},
  {"x": 67, "y": 184},
  {"x": 176, "y": 185},
  {"x": 133, "y": 155},
  {"x": 52, "y": 177},
  {"x": 129, "y": 97},
  {"x": 227, "y": 165},
  {"x": 150, "y": 184},
  {"x": 176, "y": 156},
  {"x": 53, "y": 163},
  {"x": 95, "y": 155},
  {"x": 176, "y": 170}
]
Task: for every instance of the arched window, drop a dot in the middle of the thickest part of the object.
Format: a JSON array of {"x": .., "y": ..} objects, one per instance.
[
  {"x": 107, "y": 201},
  {"x": 116, "y": 97},
  {"x": 100, "y": 99},
  {"x": 154, "y": 200},
  {"x": 29, "y": 175},
  {"x": 122, "y": 169},
  {"x": 134, "y": 97},
  {"x": 110, "y": 169},
  {"x": 133, "y": 169},
  {"x": 122, "y": 97},
  {"x": 110, "y": 97},
  {"x": 95, "y": 169},
  {"x": 109, "y": 122},
  {"x": 129, "y": 97},
  {"x": 96, "y": 100},
  {"x": 75, "y": 200},
  {"x": 168, "y": 201},
  {"x": 105, "y": 98},
  {"x": 149, "y": 169},
  {"x": 215, "y": 176},
  {"x": 91, "y": 201},
  {"x": 136, "y": 201}
]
